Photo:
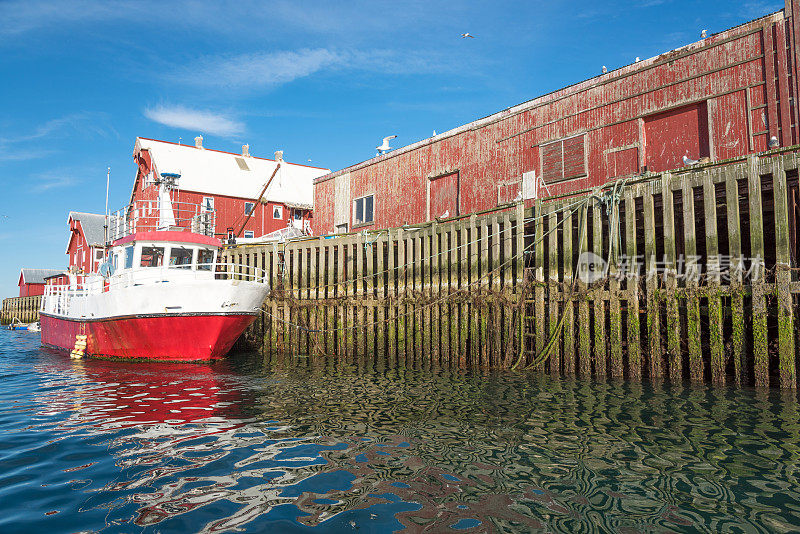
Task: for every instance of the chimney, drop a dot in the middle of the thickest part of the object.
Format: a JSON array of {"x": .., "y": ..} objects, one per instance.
[
  {"x": 279, "y": 155},
  {"x": 246, "y": 150},
  {"x": 198, "y": 141}
]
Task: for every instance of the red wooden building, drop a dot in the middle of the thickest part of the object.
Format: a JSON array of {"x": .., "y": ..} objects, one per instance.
[
  {"x": 726, "y": 95},
  {"x": 227, "y": 184},
  {"x": 86, "y": 244},
  {"x": 31, "y": 281}
]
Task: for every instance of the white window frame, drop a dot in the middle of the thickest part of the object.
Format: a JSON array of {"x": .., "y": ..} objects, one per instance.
[
  {"x": 355, "y": 202},
  {"x": 280, "y": 213},
  {"x": 252, "y": 209},
  {"x": 208, "y": 206},
  {"x": 251, "y": 235}
]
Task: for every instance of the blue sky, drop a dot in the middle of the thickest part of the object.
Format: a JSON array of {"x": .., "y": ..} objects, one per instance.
[{"x": 322, "y": 81}]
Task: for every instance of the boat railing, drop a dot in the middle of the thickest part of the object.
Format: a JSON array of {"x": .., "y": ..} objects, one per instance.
[
  {"x": 155, "y": 216},
  {"x": 63, "y": 299},
  {"x": 177, "y": 273},
  {"x": 69, "y": 299}
]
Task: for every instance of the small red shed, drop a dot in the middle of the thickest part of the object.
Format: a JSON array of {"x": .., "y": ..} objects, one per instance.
[
  {"x": 86, "y": 245},
  {"x": 31, "y": 281}
]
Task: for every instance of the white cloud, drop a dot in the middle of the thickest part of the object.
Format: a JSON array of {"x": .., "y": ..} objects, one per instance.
[
  {"x": 85, "y": 122},
  {"x": 193, "y": 119},
  {"x": 53, "y": 180},
  {"x": 271, "y": 69},
  {"x": 255, "y": 70}
]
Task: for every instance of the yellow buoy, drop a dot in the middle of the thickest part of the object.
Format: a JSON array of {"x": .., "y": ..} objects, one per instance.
[{"x": 79, "y": 348}]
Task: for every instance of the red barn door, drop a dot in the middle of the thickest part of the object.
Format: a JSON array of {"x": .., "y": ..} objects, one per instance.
[
  {"x": 676, "y": 133},
  {"x": 444, "y": 199}
]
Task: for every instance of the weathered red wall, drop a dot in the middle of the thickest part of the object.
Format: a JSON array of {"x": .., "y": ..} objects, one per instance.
[
  {"x": 741, "y": 79},
  {"x": 30, "y": 290},
  {"x": 230, "y": 213}
]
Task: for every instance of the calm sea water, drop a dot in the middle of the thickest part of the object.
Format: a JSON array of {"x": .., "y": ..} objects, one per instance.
[{"x": 246, "y": 446}]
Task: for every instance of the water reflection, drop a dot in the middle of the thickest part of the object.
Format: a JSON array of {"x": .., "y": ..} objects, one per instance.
[{"x": 253, "y": 446}]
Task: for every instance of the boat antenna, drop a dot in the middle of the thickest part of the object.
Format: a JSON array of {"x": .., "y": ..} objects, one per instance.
[{"x": 258, "y": 199}]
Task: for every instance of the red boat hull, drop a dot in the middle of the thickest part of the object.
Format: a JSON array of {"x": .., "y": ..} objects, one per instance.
[{"x": 183, "y": 338}]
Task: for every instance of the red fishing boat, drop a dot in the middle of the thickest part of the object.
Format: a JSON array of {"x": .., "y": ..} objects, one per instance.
[{"x": 161, "y": 294}]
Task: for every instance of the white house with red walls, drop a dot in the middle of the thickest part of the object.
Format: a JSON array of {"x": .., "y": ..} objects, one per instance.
[{"x": 227, "y": 184}]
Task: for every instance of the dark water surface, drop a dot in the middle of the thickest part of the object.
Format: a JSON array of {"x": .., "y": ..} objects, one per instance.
[{"x": 246, "y": 446}]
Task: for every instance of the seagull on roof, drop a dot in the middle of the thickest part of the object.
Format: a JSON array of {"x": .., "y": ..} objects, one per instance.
[
  {"x": 465, "y": 35},
  {"x": 604, "y": 69},
  {"x": 383, "y": 147},
  {"x": 703, "y": 34}
]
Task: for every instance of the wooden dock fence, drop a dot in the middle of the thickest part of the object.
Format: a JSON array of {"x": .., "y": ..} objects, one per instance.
[
  {"x": 26, "y": 309},
  {"x": 689, "y": 275}
]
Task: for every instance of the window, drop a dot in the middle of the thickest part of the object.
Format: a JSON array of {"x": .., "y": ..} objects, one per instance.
[
  {"x": 152, "y": 257},
  {"x": 249, "y": 234},
  {"x": 277, "y": 212},
  {"x": 298, "y": 215},
  {"x": 564, "y": 159},
  {"x": 180, "y": 257},
  {"x": 341, "y": 228},
  {"x": 362, "y": 210},
  {"x": 242, "y": 164},
  {"x": 205, "y": 259},
  {"x": 129, "y": 256},
  {"x": 208, "y": 203},
  {"x": 249, "y": 207},
  {"x": 98, "y": 255}
]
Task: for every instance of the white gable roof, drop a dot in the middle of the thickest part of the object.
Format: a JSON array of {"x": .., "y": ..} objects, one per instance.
[{"x": 221, "y": 173}]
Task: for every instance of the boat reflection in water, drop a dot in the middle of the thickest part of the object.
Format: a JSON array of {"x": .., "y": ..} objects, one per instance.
[{"x": 240, "y": 446}]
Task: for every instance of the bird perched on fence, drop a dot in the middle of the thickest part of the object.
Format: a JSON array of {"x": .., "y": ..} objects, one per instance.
[
  {"x": 383, "y": 147},
  {"x": 465, "y": 35},
  {"x": 444, "y": 215},
  {"x": 773, "y": 142},
  {"x": 689, "y": 161}
]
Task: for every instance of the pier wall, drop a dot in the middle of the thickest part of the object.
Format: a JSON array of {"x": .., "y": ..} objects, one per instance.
[
  {"x": 690, "y": 275},
  {"x": 26, "y": 309}
]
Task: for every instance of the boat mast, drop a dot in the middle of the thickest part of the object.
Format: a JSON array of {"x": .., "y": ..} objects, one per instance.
[{"x": 105, "y": 228}]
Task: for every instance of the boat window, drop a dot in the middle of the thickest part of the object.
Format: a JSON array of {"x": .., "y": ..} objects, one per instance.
[
  {"x": 129, "y": 256},
  {"x": 205, "y": 258},
  {"x": 152, "y": 256},
  {"x": 180, "y": 257}
]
